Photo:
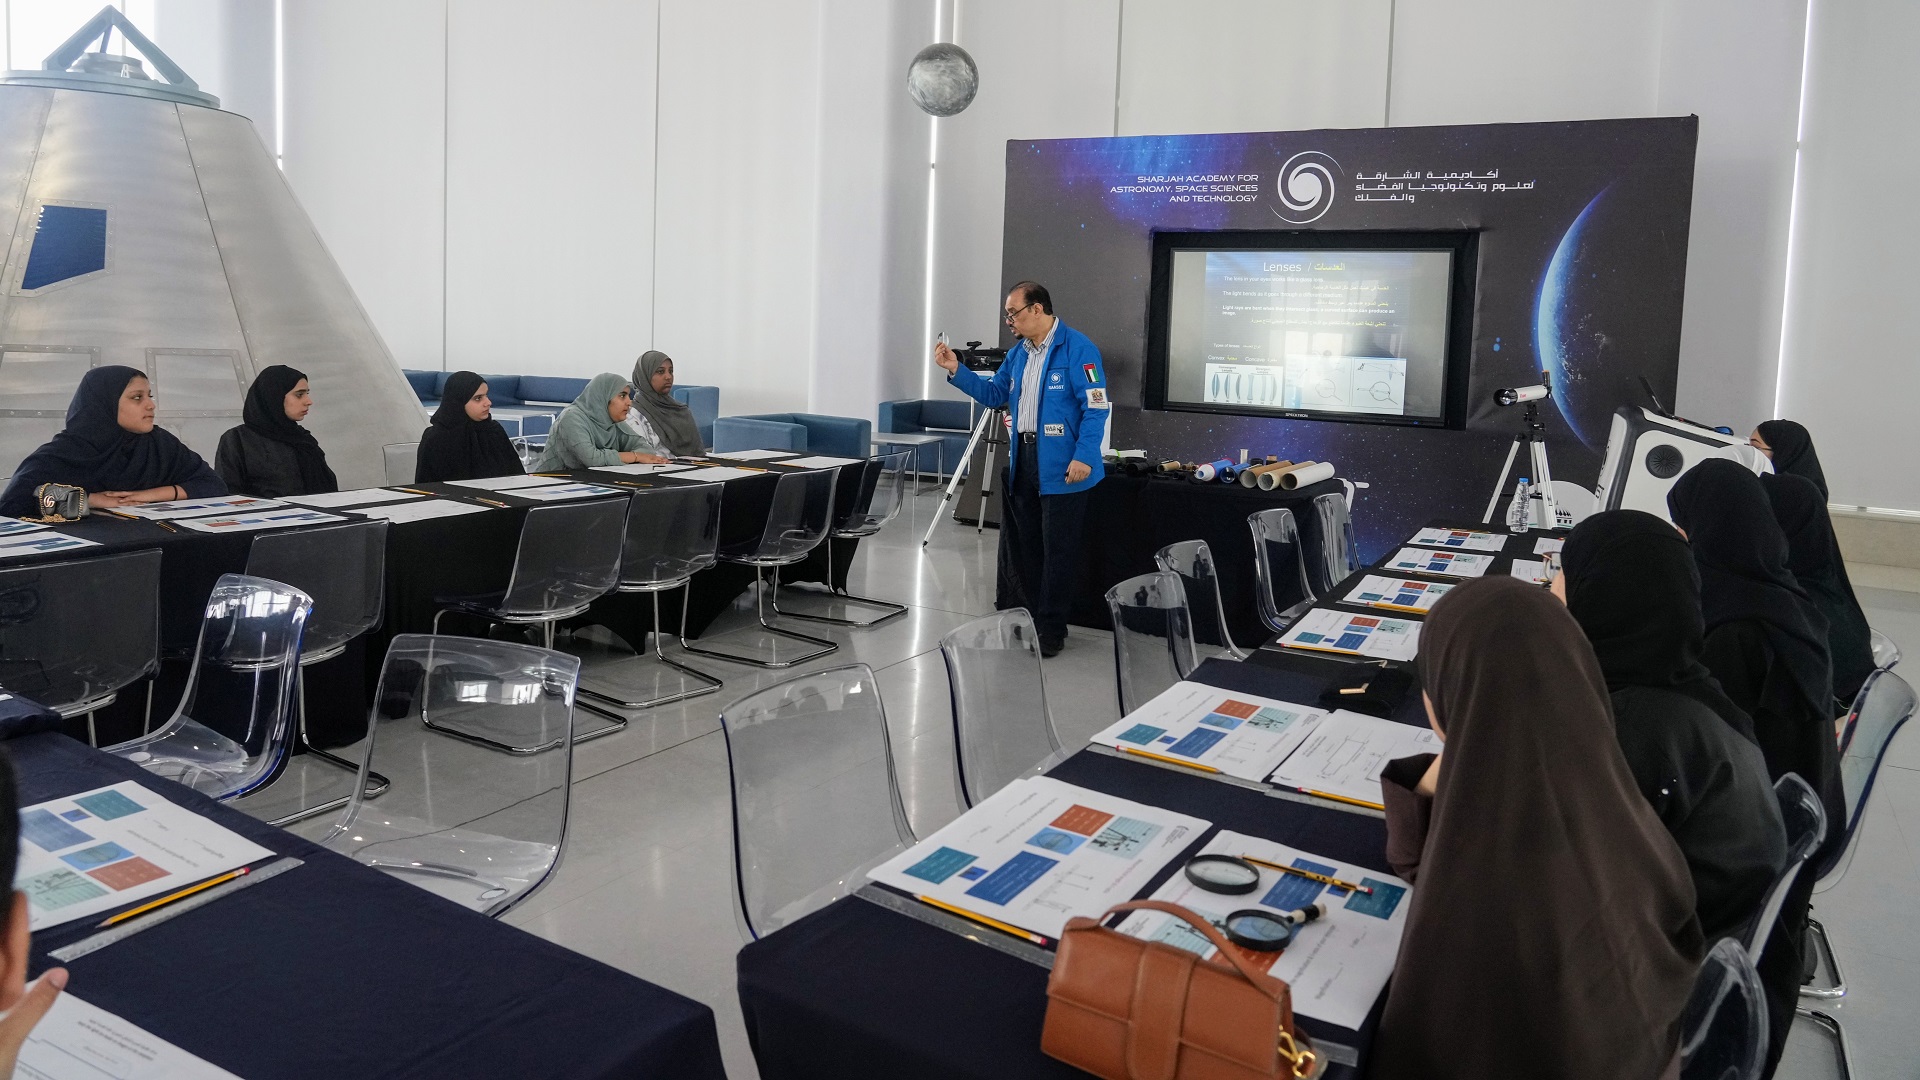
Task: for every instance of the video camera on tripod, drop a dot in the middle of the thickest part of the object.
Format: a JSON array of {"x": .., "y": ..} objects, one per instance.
[{"x": 976, "y": 358}]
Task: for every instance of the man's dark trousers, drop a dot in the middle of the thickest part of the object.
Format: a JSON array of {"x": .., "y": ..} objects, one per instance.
[{"x": 1039, "y": 547}]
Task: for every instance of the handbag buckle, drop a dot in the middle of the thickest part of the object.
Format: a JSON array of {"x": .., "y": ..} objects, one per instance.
[{"x": 1301, "y": 1059}]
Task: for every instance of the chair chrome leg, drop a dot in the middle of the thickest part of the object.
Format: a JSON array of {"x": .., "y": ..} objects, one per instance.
[
  {"x": 1823, "y": 950},
  {"x": 893, "y": 610},
  {"x": 760, "y": 608},
  {"x": 709, "y": 684},
  {"x": 377, "y": 784},
  {"x": 1830, "y": 1023}
]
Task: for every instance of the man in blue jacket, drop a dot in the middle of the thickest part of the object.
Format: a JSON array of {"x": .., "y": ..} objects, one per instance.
[{"x": 1054, "y": 388}]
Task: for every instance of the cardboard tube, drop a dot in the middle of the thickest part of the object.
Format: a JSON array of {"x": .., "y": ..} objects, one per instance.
[
  {"x": 1270, "y": 480},
  {"x": 1312, "y": 474},
  {"x": 1251, "y": 477}
]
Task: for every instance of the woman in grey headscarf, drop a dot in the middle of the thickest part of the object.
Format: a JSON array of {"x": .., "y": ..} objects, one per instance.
[
  {"x": 656, "y": 416},
  {"x": 589, "y": 433}
]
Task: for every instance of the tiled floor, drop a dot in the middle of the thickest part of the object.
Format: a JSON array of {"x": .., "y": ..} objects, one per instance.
[{"x": 644, "y": 884}]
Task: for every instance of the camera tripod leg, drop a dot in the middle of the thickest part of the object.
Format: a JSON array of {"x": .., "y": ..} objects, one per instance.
[
  {"x": 960, "y": 472},
  {"x": 1500, "y": 482}
]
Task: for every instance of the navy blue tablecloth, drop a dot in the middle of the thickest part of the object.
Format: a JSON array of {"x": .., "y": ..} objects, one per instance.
[
  {"x": 334, "y": 970},
  {"x": 855, "y": 990}
]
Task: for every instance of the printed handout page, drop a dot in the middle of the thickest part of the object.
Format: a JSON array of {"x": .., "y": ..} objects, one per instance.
[
  {"x": 716, "y": 473},
  {"x": 40, "y": 543},
  {"x": 1376, "y": 636},
  {"x": 102, "y": 849},
  {"x": 752, "y": 455},
  {"x": 284, "y": 517},
  {"x": 1547, "y": 545},
  {"x": 819, "y": 461},
  {"x": 1460, "y": 564},
  {"x": 1240, "y": 734},
  {"x": 563, "y": 492},
  {"x": 1336, "y": 965},
  {"x": 1532, "y": 571},
  {"x": 14, "y": 527},
  {"x": 643, "y": 468},
  {"x": 400, "y": 513},
  {"x": 1039, "y": 852},
  {"x": 1467, "y": 539},
  {"x": 509, "y": 483},
  {"x": 1397, "y": 593},
  {"x": 333, "y": 500},
  {"x": 80, "y": 1041},
  {"x": 1343, "y": 755},
  {"x": 188, "y": 508}
]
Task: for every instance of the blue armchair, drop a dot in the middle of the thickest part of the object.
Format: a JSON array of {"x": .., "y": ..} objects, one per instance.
[
  {"x": 951, "y": 419},
  {"x": 840, "y": 436}
]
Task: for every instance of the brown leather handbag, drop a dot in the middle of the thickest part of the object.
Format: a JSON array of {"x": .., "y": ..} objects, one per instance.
[{"x": 1127, "y": 1009}]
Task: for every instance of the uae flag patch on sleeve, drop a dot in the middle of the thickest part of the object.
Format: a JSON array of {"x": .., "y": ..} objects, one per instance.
[{"x": 1093, "y": 373}]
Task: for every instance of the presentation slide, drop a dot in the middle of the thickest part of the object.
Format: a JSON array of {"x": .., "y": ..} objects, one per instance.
[{"x": 1357, "y": 332}]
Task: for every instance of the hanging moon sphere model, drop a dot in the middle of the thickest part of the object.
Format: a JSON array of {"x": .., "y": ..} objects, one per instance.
[{"x": 942, "y": 79}]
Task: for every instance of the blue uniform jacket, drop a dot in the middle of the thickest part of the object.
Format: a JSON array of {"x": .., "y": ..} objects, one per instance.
[{"x": 1073, "y": 406}]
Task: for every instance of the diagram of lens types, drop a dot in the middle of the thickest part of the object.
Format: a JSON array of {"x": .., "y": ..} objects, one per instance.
[{"x": 1320, "y": 383}]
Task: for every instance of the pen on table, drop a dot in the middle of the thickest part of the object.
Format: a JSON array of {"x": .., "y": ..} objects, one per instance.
[
  {"x": 118, "y": 514},
  {"x": 413, "y": 491},
  {"x": 166, "y": 526},
  {"x": 985, "y": 921},
  {"x": 171, "y": 897},
  {"x": 1323, "y": 879},
  {"x": 1163, "y": 757},
  {"x": 490, "y": 502}
]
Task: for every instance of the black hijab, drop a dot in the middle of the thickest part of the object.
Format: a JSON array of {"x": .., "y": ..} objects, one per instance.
[
  {"x": 94, "y": 452},
  {"x": 1547, "y": 883},
  {"x": 458, "y": 447},
  {"x": 1632, "y": 586},
  {"x": 1813, "y": 557},
  {"x": 265, "y": 414},
  {"x": 1793, "y": 453},
  {"x": 1742, "y": 556}
]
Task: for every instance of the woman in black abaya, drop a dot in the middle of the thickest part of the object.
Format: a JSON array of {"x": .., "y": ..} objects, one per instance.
[
  {"x": 1813, "y": 557},
  {"x": 271, "y": 455},
  {"x": 112, "y": 448},
  {"x": 464, "y": 441}
]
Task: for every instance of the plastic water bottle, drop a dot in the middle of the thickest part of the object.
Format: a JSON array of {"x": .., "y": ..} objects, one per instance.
[{"x": 1517, "y": 509}]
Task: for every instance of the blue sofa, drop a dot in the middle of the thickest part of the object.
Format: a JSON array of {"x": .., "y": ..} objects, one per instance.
[
  {"x": 840, "y": 436},
  {"x": 951, "y": 419},
  {"x": 527, "y": 404}
]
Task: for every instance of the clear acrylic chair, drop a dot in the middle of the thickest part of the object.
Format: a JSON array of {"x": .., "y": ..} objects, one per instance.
[
  {"x": 1886, "y": 654},
  {"x": 883, "y": 491},
  {"x": 816, "y": 802},
  {"x": 234, "y": 722},
  {"x": 569, "y": 556},
  {"x": 1723, "y": 1032},
  {"x": 344, "y": 569},
  {"x": 401, "y": 460},
  {"x": 672, "y": 534},
  {"x": 1331, "y": 554},
  {"x": 1002, "y": 730},
  {"x": 1193, "y": 561},
  {"x": 1281, "y": 591},
  {"x": 1884, "y": 705},
  {"x": 1806, "y": 825},
  {"x": 54, "y": 646},
  {"x": 797, "y": 521},
  {"x": 528, "y": 448},
  {"x": 482, "y": 829},
  {"x": 1152, "y": 637}
]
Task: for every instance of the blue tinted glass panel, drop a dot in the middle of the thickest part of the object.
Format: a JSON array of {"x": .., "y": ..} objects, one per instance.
[{"x": 70, "y": 241}]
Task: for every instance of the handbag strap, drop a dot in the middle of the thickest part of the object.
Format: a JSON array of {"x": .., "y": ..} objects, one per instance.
[{"x": 1253, "y": 975}]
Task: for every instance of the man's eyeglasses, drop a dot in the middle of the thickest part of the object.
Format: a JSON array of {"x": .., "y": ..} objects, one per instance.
[{"x": 1015, "y": 313}]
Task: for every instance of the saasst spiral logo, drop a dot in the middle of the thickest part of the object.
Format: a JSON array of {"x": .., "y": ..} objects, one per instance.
[{"x": 1305, "y": 187}]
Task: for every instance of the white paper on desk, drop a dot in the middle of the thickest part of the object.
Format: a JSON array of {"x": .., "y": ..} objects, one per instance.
[
  {"x": 39, "y": 543},
  {"x": 1397, "y": 593},
  {"x": 1467, "y": 539},
  {"x": 1532, "y": 571},
  {"x": 566, "y": 491},
  {"x": 1038, "y": 852},
  {"x": 1460, "y": 564},
  {"x": 1327, "y": 630},
  {"x": 362, "y": 497},
  {"x": 79, "y": 1041},
  {"x": 400, "y": 513},
  {"x": 1345, "y": 751},
  {"x": 1547, "y": 545},
  {"x": 1337, "y": 965},
  {"x": 642, "y": 468},
  {"x": 820, "y": 462},
  {"x": 284, "y": 517},
  {"x": 11, "y": 527},
  {"x": 187, "y": 508},
  {"x": 105, "y": 848},
  {"x": 717, "y": 473},
  {"x": 1240, "y": 734},
  {"x": 509, "y": 483},
  {"x": 752, "y": 455}
]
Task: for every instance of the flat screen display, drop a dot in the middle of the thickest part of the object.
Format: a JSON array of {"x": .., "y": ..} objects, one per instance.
[{"x": 1363, "y": 332}]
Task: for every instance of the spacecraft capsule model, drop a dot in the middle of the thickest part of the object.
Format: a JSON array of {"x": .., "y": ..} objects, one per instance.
[{"x": 147, "y": 227}]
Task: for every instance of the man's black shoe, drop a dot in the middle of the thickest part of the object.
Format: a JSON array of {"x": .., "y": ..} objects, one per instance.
[{"x": 1051, "y": 648}]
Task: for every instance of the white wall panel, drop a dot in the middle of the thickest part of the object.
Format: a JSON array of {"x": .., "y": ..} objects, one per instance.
[
  {"x": 1508, "y": 61},
  {"x": 1850, "y": 373},
  {"x": 1736, "y": 64},
  {"x": 365, "y": 154},
  {"x": 1251, "y": 65},
  {"x": 225, "y": 45},
  {"x": 738, "y": 177},
  {"x": 1046, "y": 72},
  {"x": 549, "y": 185}
]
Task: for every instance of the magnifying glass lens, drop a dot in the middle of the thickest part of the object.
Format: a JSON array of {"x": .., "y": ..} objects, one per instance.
[
  {"x": 1257, "y": 930},
  {"x": 1223, "y": 874}
]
